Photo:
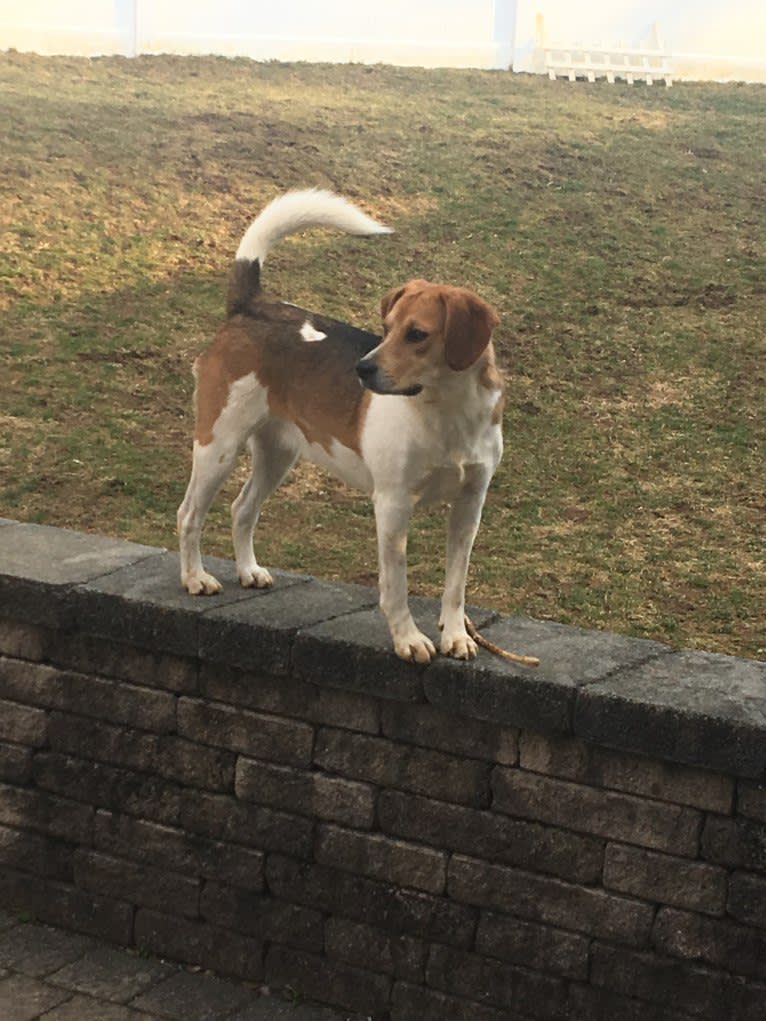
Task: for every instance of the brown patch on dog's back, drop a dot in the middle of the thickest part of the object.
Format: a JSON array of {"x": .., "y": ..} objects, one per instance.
[{"x": 313, "y": 384}]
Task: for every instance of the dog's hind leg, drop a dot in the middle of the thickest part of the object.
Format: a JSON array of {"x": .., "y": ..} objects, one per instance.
[
  {"x": 272, "y": 453},
  {"x": 212, "y": 465}
]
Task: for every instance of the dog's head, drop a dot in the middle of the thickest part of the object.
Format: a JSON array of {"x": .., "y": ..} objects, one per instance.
[{"x": 429, "y": 331}]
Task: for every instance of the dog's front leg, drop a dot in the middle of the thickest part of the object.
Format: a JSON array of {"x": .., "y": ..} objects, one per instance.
[
  {"x": 464, "y": 518},
  {"x": 392, "y": 516}
]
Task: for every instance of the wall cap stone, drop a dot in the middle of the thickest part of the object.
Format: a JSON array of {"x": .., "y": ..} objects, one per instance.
[{"x": 690, "y": 707}]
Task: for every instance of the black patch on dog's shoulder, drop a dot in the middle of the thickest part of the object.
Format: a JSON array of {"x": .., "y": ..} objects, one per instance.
[
  {"x": 345, "y": 341},
  {"x": 361, "y": 342}
]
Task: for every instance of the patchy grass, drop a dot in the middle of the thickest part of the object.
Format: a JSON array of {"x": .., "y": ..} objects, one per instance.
[{"x": 619, "y": 231}]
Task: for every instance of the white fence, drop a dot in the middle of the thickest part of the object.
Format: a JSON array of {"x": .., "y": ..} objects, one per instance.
[
  {"x": 611, "y": 63},
  {"x": 648, "y": 62},
  {"x": 703, "y": 39}
]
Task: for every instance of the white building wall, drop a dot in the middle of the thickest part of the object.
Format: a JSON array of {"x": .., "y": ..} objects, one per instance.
[
  {"x": 76, "y": 27},
  {"x": 432, "y": 33}
]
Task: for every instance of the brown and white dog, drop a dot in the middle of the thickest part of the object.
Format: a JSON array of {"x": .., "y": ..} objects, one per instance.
[{"x": 410, "y": 419}]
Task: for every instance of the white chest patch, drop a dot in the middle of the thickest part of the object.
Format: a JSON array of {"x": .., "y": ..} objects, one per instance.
[
  {"x": 340, "y": 461},
  {"x": 309, "y": 334}
]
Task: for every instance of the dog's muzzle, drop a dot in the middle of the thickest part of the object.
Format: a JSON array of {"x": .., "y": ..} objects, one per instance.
[{"x": 377, "y": 381}]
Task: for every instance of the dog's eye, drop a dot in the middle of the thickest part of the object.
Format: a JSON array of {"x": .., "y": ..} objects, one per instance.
[{"x": 414, "y": 334}]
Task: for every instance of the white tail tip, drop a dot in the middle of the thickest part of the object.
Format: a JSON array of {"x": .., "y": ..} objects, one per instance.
[{"x": 297, "y": 210}]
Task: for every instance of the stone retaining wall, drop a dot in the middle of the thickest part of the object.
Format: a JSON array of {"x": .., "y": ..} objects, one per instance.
[{"x": 253, "y": 783}]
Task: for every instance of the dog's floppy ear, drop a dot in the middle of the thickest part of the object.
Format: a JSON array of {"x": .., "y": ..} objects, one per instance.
[
  {"x": 388, "y": 300},
  {"x": 468, "y": 327}
]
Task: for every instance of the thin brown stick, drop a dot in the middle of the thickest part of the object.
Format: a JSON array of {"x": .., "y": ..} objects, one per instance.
[{"x": 485, "y": 643}]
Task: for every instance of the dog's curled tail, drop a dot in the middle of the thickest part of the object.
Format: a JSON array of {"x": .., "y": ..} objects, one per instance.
[
  {"x": 285, "y": 215},
  {"x": 299, "y": 209}
]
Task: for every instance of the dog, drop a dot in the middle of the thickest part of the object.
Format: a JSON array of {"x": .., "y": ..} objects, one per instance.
[{"x": 411, "y": 418}]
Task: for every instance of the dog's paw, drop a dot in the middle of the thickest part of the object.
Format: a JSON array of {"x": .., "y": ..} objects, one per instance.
[
  {"x": 415, "y": 647},
  {"x": 255, "y": 577},
  {"x": 202, "y": 584},
  {"x": 459, "y": 646}
]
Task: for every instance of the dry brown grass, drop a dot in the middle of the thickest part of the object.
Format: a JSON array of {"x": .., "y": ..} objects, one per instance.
[{"x": 620, "y": 232}]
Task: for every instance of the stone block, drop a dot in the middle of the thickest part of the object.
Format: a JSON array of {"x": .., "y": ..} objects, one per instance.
[
  {"x": 589, "y": 1004},
  {"x": 573, "y": 759},
  {"x": 492, "y": 836},
  {"x": 365, "y": 946},
  {"x": 372, "y": 854},
  {"x": 112, "y": 658},
  {"x": 697, "y": 708},
  {"x": 305, "y": 793},
  {"x": 22, "y": 724},
  {"x": 21, "y": 640},
  {"x": 615, "y": 816},
  {"x": 195, "y": 765},
  {"x": 738, "y": 843},
  {"x": 265, "y": 737},
  {"x": 41, "y": 563},
  {"x": 146, "y": 606},
  {"x": 174, "y": 758},
  {"x": 751, "y": 800},
  {"x": 360, "y": 899},
  {"x": 140, "y": 884},
  {"x": 231, "y": 820},
  {"x": 719, "y": 942},
  {"x": 15, "y": 764},
  {"x": 676, "y": 985},
  {"x": 549, "y": 901},
  {"x": 32, "y": 852},
  {"x": 389, "y": 764},
  {"x": 164, "y": 847},
  {"x": 25, "y": 808},
  {"x": 62, "y": 904},
  {"x": 665, "y": 879},
  {"x": 538, "y": 698},
  {"x": 264, "y": 917},
  {"x": 355, "y": 652},
  {"x": 199, "y": 943},
  {"x": 530, "y": 945},
  {"x": 122, "y": 790},
  {"x": 318, "y": 978},
  {"x": 414, "y": 1001},
  {"x": 287, "y": 696},
  {"x": 259, "y": 634},
  {"x": 747, "y": 898},
  {"x": 429, "y": 727},
  {"x": 104, "y": 742},
  {"x": 497, "y": 983},
  {"x": 113, "y": 701}
]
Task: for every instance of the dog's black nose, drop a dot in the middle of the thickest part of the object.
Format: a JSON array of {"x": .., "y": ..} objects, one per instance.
[{"x": 365, "y": 370}]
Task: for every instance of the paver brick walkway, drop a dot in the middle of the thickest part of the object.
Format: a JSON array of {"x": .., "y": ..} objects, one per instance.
[{"x": 55, "y": 975}]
